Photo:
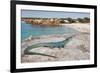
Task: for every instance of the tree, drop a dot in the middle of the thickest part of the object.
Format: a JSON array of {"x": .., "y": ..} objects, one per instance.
[
  {"x": 80, "y": 20},
  {"x": 71, "y": 20},
  {"x": 86, "y": 19}
]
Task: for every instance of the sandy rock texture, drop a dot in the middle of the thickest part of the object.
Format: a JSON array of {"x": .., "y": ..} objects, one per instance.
[{"x": 78, "y": 48}]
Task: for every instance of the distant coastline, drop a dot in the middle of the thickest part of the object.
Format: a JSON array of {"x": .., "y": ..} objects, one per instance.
[{"x": 54, "y": 21}]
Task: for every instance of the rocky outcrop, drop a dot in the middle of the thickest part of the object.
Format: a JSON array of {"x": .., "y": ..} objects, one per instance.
[
  {"x": 78, "y": 48},
  {"x": 48, "y": 22}
]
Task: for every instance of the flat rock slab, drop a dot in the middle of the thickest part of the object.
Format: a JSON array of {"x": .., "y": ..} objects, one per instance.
[{"x": 77, "y": 49}]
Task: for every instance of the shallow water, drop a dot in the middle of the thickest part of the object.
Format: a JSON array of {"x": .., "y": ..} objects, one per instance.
[{"x": 34, "y": 30}]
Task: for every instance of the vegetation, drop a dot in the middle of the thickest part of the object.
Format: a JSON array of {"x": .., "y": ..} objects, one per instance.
[
  {"x": 55, "y": 21},
  {"x": 84, "y": 20},
  {"x": 71, "y": 20}
]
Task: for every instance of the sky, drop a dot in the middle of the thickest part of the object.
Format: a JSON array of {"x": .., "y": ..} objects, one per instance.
[{"x": 53, "y": 14}]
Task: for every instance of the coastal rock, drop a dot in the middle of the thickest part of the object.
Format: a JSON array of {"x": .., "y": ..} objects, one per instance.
[{"x": 78, "y": 48}]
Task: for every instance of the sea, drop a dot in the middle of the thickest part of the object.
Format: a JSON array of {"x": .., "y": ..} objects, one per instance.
[{"x": 36, "y": 30}]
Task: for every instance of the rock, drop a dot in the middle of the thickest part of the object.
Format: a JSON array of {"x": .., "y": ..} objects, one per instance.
[{"x": 77, "y": 49}]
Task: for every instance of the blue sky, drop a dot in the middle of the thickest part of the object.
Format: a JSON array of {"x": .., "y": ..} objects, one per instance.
[{"x": 53, "y": 14}]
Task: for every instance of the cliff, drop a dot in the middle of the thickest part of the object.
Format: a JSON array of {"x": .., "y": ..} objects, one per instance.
[{"x": 50, "y": 22}]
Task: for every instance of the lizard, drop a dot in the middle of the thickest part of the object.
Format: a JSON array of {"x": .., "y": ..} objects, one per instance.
[{"x": 52, "y": 45}]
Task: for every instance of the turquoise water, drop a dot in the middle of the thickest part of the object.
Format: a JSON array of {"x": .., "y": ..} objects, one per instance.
[{"x": 34, "y": 30}]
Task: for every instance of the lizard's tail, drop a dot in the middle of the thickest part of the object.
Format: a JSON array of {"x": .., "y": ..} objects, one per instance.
[{"x": 35, "y": 53}]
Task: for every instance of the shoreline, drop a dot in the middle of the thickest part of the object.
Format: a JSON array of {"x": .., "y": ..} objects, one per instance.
[
  {"x": 85, "y": 27},
  {"x": 81, "y": 27}
]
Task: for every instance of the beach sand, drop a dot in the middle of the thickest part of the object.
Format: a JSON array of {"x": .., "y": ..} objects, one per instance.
[{"x": 81, "y": 27}]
